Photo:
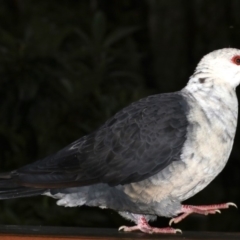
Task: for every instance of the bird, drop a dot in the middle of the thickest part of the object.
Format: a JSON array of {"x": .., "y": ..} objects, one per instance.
[{"x": 150, "y": 156}]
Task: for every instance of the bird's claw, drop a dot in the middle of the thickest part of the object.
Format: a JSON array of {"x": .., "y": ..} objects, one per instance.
[
  {"x": 178, "y": 230},
  {"x": 171, "y": 221},
  {"x": 126, "y": 229},
  {"x": 231, "y": 204},
  {"x": 121, "y": 228}
]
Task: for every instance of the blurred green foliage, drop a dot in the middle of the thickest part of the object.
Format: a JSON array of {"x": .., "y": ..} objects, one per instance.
[
  {"x": 57, "y": 79},
  {"x": 63, "y": 71}
]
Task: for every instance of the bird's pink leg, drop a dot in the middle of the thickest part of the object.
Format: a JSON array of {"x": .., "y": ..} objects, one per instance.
[
  {"x": 204, "y": 209},
  {"x": 143, "y": 226}
]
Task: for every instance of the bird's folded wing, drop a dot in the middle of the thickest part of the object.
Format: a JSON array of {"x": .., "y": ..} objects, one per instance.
[{"x": 136, "y": 143}]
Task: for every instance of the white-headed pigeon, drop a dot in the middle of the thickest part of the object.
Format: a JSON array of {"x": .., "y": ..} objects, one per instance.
[{"x": 150, "y": 156}]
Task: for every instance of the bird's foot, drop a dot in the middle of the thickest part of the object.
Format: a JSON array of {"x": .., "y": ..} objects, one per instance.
[
  {"x": 204, "y": 210},
  {"x": 143, "y": 226}
]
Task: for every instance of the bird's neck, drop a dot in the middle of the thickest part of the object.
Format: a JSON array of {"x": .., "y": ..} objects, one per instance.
[
  {"x": 207, "y": 88},
  {"x": 217, "y": 100}
]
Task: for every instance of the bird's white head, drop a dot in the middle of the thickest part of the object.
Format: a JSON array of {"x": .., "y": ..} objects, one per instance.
[{"x": 218, "y": 68}]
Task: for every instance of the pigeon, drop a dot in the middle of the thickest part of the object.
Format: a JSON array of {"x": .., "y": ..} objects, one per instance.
[{"x": 150, "y": 156}]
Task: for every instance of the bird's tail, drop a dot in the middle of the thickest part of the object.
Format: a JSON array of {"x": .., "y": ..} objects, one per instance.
[{"x": 9, "y": 188}]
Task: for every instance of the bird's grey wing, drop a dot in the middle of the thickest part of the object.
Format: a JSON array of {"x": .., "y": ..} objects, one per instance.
[{"x": 136, "y": 143}]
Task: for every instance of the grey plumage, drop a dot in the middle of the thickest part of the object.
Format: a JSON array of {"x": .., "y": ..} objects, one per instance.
[{"x": 148, "y": 157}]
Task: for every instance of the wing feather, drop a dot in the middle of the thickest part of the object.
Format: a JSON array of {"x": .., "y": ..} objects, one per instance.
[{"x": 139, "y": 141}]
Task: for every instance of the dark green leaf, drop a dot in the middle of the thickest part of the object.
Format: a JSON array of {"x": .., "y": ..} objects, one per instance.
[
  {"x": 98, "y": 27},
  {"x": 119, "y": 34}
]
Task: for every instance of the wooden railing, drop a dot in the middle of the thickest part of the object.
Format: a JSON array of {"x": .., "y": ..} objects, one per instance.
[{"x": 69, "y": 233}]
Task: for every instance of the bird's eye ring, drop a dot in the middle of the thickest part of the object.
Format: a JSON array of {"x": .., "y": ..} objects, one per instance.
[{"x": 236, "y": 60}]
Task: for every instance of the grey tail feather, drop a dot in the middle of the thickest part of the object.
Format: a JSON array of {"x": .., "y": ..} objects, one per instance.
[
  {"x": 9, "y": 188},
  {"x": 5, "y": 175},
  {"x": 6, "y": 181},
  {"x": 19, "y": 192}
]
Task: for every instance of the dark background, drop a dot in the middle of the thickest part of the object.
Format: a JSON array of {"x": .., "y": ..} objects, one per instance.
[{"x": 66, "y": 66}]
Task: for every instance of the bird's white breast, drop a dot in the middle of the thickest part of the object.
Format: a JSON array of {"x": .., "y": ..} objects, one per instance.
[{"x": 211, "y": 131}]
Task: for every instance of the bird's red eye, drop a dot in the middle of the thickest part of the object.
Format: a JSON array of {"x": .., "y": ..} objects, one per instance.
[{"x": 236, "y": 60}]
